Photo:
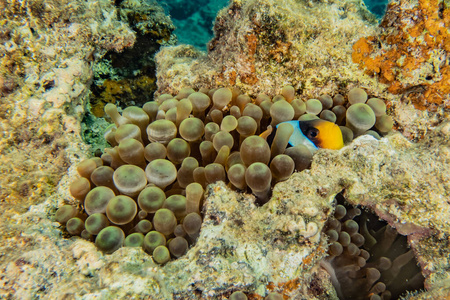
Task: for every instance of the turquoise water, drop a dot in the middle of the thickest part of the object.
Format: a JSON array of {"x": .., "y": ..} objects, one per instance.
[
  {"x": 377, "y": 7},
  {"x": 195, "y": 19}
]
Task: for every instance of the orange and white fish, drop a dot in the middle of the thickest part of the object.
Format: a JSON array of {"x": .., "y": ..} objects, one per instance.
[{"x": 313, "y": 134}]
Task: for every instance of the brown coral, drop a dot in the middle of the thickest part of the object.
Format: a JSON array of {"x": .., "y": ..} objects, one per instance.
[{"x": 410, "y": 52}]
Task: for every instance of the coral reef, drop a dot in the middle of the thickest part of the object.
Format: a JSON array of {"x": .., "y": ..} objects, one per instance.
[
  {"x": 410, "y": 54},
  {"x": 275, "y": 47},
  {"x": 47, "y": 55},
  {"x": 128, "y": 77},
  {"x": 237, "y": 236},
  {"x": 45, "y": 59},
  {"x": 194, "y": 19},
  {"x": 313, "y": 53}
]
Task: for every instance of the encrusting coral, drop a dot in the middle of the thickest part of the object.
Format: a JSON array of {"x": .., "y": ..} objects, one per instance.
[
  {"x": 410, "y": 54},
  {"x": 166, "y": 153},
  {"x": 46, "y": 51}
]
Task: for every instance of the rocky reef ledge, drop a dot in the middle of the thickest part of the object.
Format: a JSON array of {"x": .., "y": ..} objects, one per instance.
[
  {"x": 275, "y": 247},
  {"x": 47, "y": 54}
]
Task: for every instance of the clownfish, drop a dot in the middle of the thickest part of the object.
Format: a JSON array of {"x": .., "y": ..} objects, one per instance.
[{"x": 313, "y": 134}]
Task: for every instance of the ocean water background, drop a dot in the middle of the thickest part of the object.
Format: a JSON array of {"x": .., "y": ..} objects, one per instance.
[{"x": 194, "y": 19}]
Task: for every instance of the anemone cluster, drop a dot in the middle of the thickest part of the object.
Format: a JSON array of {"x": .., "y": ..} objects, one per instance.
[
  {"x": 147, "y": 189},
  {"x": 238, "y": 295},
  {"x": 368, "y": 259}
]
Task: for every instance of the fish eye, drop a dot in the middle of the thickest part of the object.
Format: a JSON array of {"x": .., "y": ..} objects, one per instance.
[{"x": 312, "y": 133}]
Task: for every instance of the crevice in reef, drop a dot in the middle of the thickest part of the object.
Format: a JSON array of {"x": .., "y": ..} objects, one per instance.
[
  {"x": 368, "y": 259},
  {"x": 128, "y": 77}
]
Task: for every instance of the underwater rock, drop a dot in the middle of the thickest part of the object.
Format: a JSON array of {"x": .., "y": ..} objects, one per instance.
[
  {"x": 46, "y": 94},
  {"x": 128, "y": 77},
  {"x": 46, "y": 55},
  {"x": 322, "y": 52},
  {"x": 277, "y": 46},
  {"x": 409, "y": 52}
]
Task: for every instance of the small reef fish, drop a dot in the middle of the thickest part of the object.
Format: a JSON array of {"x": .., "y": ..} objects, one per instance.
[{"x": 313, "y": 134}]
